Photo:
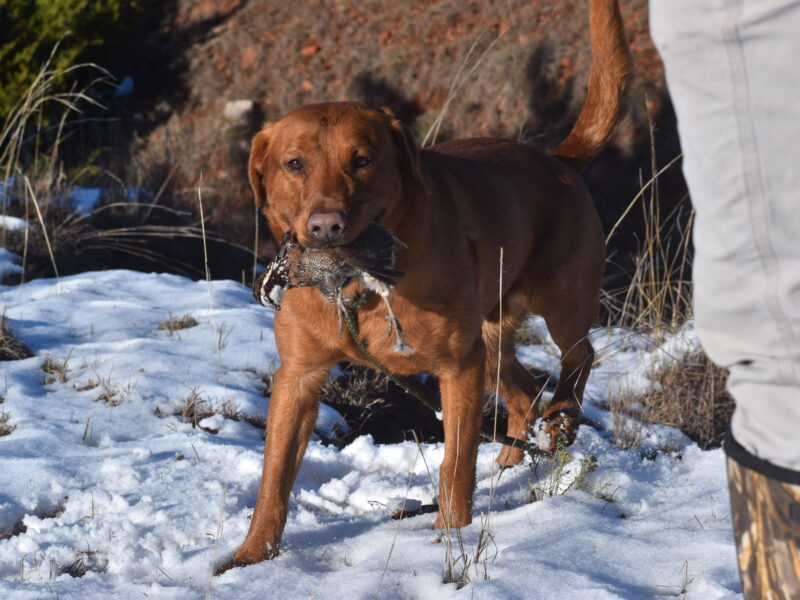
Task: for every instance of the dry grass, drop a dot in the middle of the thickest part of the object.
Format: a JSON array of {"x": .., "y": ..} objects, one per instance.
[
  {"x": 688, "y": 393},
  {"x": 195, "y": 409},
  {"x": 85, "y": 561},
  {"x": 657, "y": 298},
  {"x": 109, "y": 396},
  {"x": 178, "y": 323},
  {"x": 552, "y": 475},
  {"x": 5, "y": 427},
  {"x": 30, "y": 166},
  {"x": 371, "y": 404},
  {"x": 55, "y": 371},
  {"x": 11, "y": 347}
]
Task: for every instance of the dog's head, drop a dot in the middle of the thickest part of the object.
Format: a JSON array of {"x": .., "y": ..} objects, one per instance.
[{"x": 324, "y": 172}]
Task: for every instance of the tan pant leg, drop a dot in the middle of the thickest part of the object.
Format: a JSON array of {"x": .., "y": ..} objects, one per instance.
[{"x": 733, "y": 71}]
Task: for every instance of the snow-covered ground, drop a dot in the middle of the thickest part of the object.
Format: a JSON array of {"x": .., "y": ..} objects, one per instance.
[{"x": 104, "y": 478}]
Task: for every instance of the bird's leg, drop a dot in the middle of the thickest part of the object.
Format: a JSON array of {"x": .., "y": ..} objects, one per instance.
[
  {"x": 340, "y": 308},
  {"x": 400, "y": 346}
]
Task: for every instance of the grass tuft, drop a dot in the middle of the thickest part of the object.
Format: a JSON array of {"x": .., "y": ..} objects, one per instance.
[
  {"x": 688, "y": 393},
  {"x": 5, "y": 427},
  {"x": 178, "y": 323},
  {"x": 555, "y": 475},
  {"x": 11, "y": 347},
  {"x": 195, "y": 409},
  {"x": 85, "y": 561},
  {"x": 55, "y": 371}
]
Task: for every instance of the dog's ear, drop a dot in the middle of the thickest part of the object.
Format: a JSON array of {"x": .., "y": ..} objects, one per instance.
[
  {"x": 409, "y": 151},
  {"x": 258, "y": 152}
]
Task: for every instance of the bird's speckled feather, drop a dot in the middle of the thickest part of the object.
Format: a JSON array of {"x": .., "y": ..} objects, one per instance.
[{"x": 370, "y": 257}]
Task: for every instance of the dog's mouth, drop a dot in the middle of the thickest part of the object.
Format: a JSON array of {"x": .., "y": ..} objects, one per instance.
[
  {"x": 345, "y": 241},
  {"x": 370, "y": 256}
]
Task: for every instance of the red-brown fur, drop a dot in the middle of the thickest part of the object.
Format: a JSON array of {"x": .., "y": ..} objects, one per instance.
[{"x": 455, "y": 205}]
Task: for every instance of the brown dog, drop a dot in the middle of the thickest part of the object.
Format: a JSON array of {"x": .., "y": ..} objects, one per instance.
[{"x": 325, "y": 172}]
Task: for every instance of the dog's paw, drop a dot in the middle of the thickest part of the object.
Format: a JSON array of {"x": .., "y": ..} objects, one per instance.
[
  {"x": 509, "y": 456},
  {"x": 557, "y": 430},
  {"x": 245, "y": 557}
]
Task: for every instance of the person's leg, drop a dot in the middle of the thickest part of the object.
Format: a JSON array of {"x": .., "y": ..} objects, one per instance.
[
  {"x": 733, "y": 71},
  {"x": 734, "y": 79}
]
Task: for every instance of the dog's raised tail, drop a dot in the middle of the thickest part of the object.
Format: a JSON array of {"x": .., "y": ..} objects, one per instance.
[{"x": 608, "y": 85}]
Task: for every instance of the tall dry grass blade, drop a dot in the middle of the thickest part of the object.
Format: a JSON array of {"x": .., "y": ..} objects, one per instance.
[
  {"x": 32, "y": 196},
  {"x": 219, "y": 331},
  {"x": 650, "y": 182},
  {"x": 485, "y": 533},
  {"x": 658, "y": 292},
  {"x": 456, "y": 84},
  {"x": 154, "y": 204}
]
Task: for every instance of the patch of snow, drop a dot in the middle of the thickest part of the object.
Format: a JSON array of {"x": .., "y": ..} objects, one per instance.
[
  {"x": 13, "y": 223},
  {"x": 212, "y": 424},
  {"x": 125, "y": 87},
  {"x": 84, "y": 200},
  {"x": 9, "y": 263}
]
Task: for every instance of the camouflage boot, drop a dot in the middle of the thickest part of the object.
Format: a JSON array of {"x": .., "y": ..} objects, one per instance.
[{"x": 765, "y": 508}]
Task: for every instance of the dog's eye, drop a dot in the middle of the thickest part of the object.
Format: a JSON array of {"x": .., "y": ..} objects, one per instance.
[
  {"x": 295, "y": 164},
  {"x": 360, "y": 162}
]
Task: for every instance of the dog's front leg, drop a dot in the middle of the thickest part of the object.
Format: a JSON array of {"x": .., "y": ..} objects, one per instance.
[
  {"x": 293, "y": 408},
  {"x": 462, "y": 405}
]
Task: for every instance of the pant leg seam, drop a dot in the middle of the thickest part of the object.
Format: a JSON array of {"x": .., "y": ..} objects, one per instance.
[{"x": 754, "y": 185}]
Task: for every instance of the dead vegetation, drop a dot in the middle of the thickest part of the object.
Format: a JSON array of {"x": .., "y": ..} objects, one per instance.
[
  {"x": 195, "y": 409},
  {"x": 11, "y": 347},
  {"x": 79, "y": 214},
  {"x": 85, "y": 561},
  {"x": 688, "y": 393},
  {"x": 178, "y": 323},
  {"x": 372, "y": 404},
  {"x": 55, "y": 371},
  {"x": 5, "y": 426}
]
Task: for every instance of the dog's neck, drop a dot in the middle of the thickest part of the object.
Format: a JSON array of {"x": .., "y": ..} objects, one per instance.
[{"x": 409, "y": 217}]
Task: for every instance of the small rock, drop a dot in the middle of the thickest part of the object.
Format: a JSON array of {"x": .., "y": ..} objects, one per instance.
[{"x": 238, "y": 110}]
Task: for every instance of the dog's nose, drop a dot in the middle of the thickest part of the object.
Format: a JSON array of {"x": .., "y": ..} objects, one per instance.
[{"x": 328, "y": 226}]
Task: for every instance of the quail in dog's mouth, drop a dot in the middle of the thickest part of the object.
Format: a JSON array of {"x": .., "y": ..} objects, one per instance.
[{"x": 370, "y": 257}]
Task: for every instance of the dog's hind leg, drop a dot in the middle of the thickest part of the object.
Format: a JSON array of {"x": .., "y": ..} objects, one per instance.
[
  {"x": 518, "y": 388},
  {"x": 562, "y": 416}
]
